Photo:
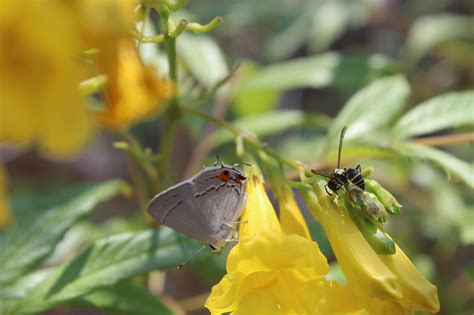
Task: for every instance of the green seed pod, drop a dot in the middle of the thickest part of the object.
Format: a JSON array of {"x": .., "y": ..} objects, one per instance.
[
  {"x": 375, "y": 236},
  {"x": 384, "y": 196}
]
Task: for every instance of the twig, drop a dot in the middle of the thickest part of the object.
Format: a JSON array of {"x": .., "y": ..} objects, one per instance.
[
  {"x": 249, "y": 138},
  {"x": 220, "y": 109},
  {"x": 445, "y": 140}
]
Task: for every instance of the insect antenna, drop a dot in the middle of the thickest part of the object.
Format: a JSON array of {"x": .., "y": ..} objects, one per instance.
[
  {"x": 191, "y": 256},
  {"x": 218, "y": 160},
  {"x": 341, "y": 140}
]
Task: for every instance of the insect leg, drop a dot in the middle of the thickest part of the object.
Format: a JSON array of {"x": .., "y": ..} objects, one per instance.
[
  {"x": 358, "y": 168},
  {"x": 326, "y": 189}
]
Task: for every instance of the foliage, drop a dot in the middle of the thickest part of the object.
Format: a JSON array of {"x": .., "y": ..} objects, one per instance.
[{"x": 409, "y": 112}]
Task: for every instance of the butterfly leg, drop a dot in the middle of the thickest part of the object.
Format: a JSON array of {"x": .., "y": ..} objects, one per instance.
[{"x": 234, "y": 238}]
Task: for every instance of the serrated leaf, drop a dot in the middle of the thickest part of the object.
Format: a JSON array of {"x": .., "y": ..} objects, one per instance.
[
  {"x": 107, "y": 262},
  {"x": 344, "y": 71},
  {"x": 270, "y": 123},
  {"x": 445, "y": 111},
  {"x": 441, "y": 159},
  {"x": 373, "y": 107},
  {"x": 429, "y": 31},
  {"x": 25, "y": 246},
  {"x": 125, "y": 298},
  {"x": 203, "y": 57}
]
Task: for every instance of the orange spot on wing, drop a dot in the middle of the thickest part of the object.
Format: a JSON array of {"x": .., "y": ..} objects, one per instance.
[{"x": 224, "y": 176}]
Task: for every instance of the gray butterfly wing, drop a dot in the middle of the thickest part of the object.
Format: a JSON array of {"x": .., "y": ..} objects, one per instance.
[
  {"x": 221, "y": 202},
  {"x": 176, "y": 208}
]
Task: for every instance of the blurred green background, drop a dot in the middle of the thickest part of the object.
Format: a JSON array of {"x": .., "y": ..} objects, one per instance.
[{"x": 299, "y": 62}]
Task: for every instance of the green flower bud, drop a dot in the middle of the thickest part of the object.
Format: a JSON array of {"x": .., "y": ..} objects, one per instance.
[
  {"x": 384, "y": 196},
  {"x": 373, "y": 208},
  {"x": 380, "y": 241}
]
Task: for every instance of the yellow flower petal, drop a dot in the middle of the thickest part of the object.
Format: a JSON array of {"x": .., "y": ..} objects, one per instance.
[
  {"x": 418, "y": 293},
  {"x": 223, "y": 297},
  {"x": 133, "y": 91},
  {"x": 40, "y": 101},
  {"x": 258, "y": 215},
  {"x": 273, "y": 251},
  {"x": 291, "y": 218}
]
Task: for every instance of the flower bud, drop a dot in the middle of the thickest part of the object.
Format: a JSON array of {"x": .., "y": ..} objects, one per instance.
[
  {"x": 385, "y": 197},
  {"x": 380, "y": 241}
]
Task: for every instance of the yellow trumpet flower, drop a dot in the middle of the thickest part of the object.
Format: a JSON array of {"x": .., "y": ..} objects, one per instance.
[
  {"x": 385, "y": 284},
  {"x": 133, "y": 91},
  {"x": 269, "y": 272},
  {"x": 40, "y": 103}
]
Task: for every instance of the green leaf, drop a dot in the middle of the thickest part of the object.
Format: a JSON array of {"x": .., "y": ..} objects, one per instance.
[
  {"x": 466, "y": 227},
  {"x": 286, "y": 42},
  {"x": 107, "y": 262},
  {"x": 447, "y": 162},
  {"x": 252, "y": 102},
  {"x": 271, "y": 123},
  {"x": 429, "y": 31},
  {"x": 346, "y": 72},
  {"x": 445, "y": 111},
  {"x": 126, "y": 298},
  {"x": 373, "y": 107},
  {"x": 25, "y": 246},
  {"x": 203, "y": 57}
]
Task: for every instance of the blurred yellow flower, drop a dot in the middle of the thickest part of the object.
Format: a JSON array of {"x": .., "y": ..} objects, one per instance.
[
  {"x": 385, "y": 284},
  {"x": 39, "y": 102},
  {"x": 5, "y": 212},
  {"x": 104, "y": 21},
  {"x": 269, "y": 272},
  {"x": 133, "y": 91}
]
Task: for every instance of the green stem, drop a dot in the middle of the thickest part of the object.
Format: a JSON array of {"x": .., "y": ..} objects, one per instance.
[
  {"x": 246, "y": 136},
  {"x": 173, "y": 112},
  {"x": 138, "y": 181}
]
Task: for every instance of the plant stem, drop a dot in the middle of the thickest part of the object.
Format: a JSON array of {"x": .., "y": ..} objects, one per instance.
[
  {"x": 138, "y": 181},
  {"x": 246, "y": 136},
  {"x": 173, "y": 112}
]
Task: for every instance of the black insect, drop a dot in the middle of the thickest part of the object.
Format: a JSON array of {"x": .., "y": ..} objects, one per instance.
[{"x": 340, "y": 178}]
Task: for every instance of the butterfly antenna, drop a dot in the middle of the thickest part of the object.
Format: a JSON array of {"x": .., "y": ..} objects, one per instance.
[
  {"x": 341, "y": 140},
  {"x": 217, "y": 160},
  {"x": 191, "y": 256}
]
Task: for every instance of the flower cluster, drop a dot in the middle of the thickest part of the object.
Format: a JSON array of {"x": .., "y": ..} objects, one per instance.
[
  {"x": 277, "y": 269},
  {"x": 275, "y": 272},
  {"x": 56, "y": 58},
  {"x": 47, "y": 54}
]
